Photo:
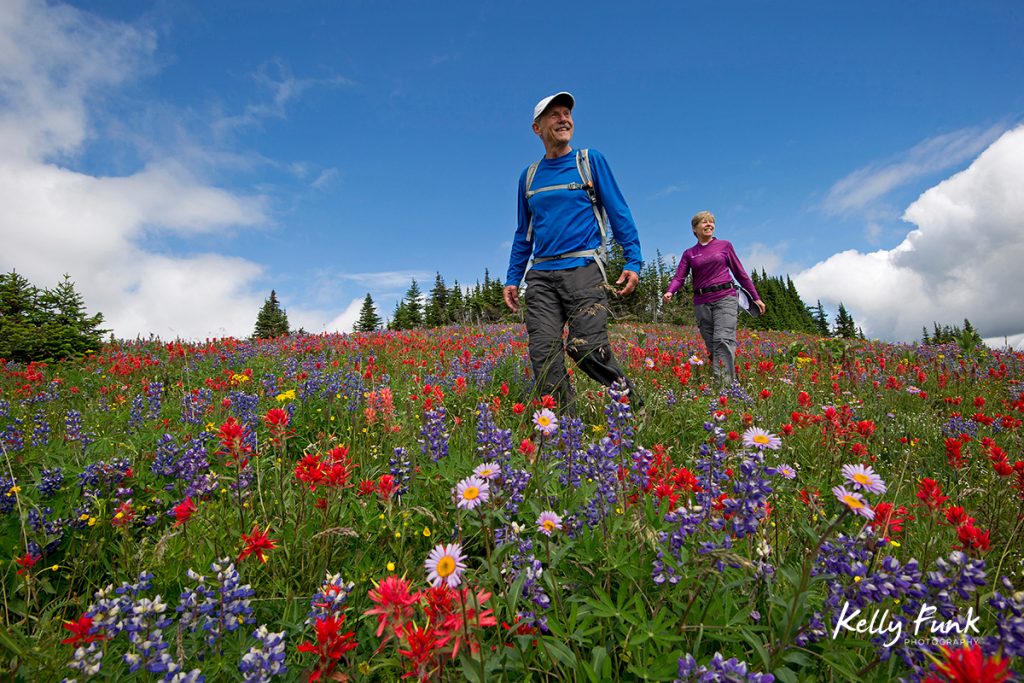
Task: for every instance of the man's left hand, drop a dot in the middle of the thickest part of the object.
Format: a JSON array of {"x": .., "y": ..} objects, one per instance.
[{"x": 630, "y": 279}]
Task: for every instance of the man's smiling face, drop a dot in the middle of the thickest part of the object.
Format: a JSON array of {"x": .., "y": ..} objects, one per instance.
[{"x": 554, "y": 126}]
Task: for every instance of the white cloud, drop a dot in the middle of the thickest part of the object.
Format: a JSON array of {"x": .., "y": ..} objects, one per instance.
[
  {"x": 57, "y": 65},
  {"x": 860, "y": 190},
  {"x": 962, "y": 260}
]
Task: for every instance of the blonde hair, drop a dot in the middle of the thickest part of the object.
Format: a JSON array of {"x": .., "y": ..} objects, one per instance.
[{"x": 701, "y": 216}]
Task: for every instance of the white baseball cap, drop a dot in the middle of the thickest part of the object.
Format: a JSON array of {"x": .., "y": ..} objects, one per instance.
[{"x": 563, "y": 97}]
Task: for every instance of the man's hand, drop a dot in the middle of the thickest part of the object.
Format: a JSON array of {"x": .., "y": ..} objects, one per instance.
[
  {"x": 511, "y": 295},
  {"x": 631, "y": 279}
]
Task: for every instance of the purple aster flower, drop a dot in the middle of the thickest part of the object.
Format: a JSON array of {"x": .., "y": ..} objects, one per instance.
[
  {"x": 760, "y": 439},
  {"x": 488, "y": 471},
  {"x": 445, "y": 564},
  {"x": 864, "y": 478},
  {"x": 471, "y": 492},
  {"x": 549, "y": 522},
  {"x": 786, "y": 471},
  {"x": 854, "y": 501},
  {"x": 545, "y": 422}
]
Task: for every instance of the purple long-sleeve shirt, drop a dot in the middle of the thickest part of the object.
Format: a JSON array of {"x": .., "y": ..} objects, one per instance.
[{"x": 711, "y": 264}]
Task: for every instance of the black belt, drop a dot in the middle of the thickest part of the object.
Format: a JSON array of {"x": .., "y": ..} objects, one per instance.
[{"x": 714, "y": 288}]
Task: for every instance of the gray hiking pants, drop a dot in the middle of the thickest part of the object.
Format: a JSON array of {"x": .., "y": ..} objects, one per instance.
[
  {"x": 717, "y": 324},
  {"x": 577, "y": 297}
]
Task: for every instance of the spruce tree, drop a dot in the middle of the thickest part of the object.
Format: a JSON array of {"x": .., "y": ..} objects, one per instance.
[
  {"x": 20, "y": 318},
  {"x": 272, "y": 320},
  {"x": 409, "y": 311},
  {"x": 845, "y": 326},
  {"x": 820, "y": 320},
  {"x": 69, "y": 330},
  {"x": 436, "y": 312},
  {"x": 45, "y": 324},
  {"x": 368, "y": 318}
]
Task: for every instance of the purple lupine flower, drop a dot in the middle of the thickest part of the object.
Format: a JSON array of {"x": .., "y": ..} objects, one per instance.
[
  {"x": 13, "y": 438},
  {"x": 513, "y": 487},
  {"x": 218, "y": 609},
  {"x": 8, "y": 494},
  {"x": 493, "y": 444},
  {"x": 522, "y": 563},
  {"x": 52, "y": 480},
  {"x": 434, "y": 434},
  {"x": 401, "y": 469},
  {"x": 261, "y": 663},
  {"x": 1010, "y": 619},
  {"x": 194, "y": 405},
  {"x": 135, "y": 417},
  {"x": 40, "y": 430},
  {"x": 330, "y": 599},
  {"x": 154, "y": 397},
  {"x": 718, "y": 670}
]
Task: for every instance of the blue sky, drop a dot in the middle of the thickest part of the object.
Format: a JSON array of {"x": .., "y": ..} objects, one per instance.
[{"x": 181, "y": 159}]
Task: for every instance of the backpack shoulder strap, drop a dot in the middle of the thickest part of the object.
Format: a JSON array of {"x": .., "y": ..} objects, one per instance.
[{"x": 530, "y": 172}]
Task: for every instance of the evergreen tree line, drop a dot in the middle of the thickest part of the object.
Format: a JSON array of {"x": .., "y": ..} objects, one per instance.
[
  {"x": 45, "y": 324},
  {"x": 483, "y": 303},
  {"x": 965, "y": 337}
]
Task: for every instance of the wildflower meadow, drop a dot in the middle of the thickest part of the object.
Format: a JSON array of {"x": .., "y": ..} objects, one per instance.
[{"x": 388, "y": 505}]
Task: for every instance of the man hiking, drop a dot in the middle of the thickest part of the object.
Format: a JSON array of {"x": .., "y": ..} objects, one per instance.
[{"x": 567, "y": 201}]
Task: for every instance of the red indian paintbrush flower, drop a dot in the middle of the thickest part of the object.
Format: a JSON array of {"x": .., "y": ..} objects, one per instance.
[
  {"x": 331, "y": 645},
  {"x": 182, "y": 512},
  {"x": 256, "y": 543},
  {"x": 968, "y": 665},
  {"x": 393, "y": 602},
  {"x": 81, "y": 631}
]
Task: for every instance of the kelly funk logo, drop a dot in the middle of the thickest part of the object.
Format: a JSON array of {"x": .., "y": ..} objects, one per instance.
[{"x": 881, "y": 623}]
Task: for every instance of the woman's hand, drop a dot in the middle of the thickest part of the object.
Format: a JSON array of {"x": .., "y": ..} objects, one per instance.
[
  {"x": 760, "y": 306},
  {"x": 666, "y": 296}
]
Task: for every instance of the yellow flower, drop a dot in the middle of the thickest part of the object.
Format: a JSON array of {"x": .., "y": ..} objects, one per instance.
[
  {"x": 894, "y": 544},
  {"x": 241, "y": 379},
  {"x": 92, "y": 521},
  {"x": 364, "y": 668},
  {"x": 391, "y": 566},
  {"x": 285, "y": 396},
  {"x": 398, "y": 534},
  {"x": 426, "y": 531},
  {"x": 54, "y": 567}
]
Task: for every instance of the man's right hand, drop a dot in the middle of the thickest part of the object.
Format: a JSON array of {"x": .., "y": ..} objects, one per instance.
[{"x": 511, "y": 295}]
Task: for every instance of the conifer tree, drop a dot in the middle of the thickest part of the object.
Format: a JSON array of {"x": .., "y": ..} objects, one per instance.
[
  {"x": 69, "y": 330},
  {"x": 845, "y": 326},
  {"x": 368, "y": 318},
  {"x": 409, "y": 312},
  {"x": 820, "y": 320},
  {"x": 456, "y": 304},
  {"x": 44, "y": 324},
  {"x": 272, "y": 320},
  {"x": 436, "y": 312}
]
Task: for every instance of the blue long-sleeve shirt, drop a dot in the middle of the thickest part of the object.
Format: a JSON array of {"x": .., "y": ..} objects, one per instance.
[{"x": 563, "y": 220}]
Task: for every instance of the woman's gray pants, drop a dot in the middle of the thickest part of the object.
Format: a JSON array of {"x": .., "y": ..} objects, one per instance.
[{"x": 717, "y": 324}]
